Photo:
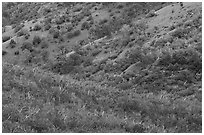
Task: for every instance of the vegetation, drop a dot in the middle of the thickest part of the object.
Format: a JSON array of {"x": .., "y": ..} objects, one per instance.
[
  {"x": 129, "y": 69},
  {"x": 37, "y": 27},
  {"x": 5, "y": 38},
  {"x": 36, "y": 41},
  {"x": 73, "y": 34}
]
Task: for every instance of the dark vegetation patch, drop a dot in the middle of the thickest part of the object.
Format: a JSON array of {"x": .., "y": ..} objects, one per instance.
[{"x": 6, "y": 38}]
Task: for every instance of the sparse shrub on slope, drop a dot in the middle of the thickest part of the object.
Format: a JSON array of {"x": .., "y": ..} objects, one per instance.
[
  {"x": 19, "y": 27},
  {"x": 5, "y": 38},
  {"x": 100, "y": 31},
  {"x": 27, "y": 45},
  {"x": 37, "y": 27},
  {"x": 45, "y": 55},
  {"x": 69, "y": 27},
  {"x": 56, "y": 34},
  {"x": 12, "y": 44},
  {"x": 4, "y": 52},
  {"x": 36, "y": 41},
  {"x": 60, "y": 20},
  {"x": 65, "y": 65},
  {"x": 47, "y": 27},
  {"x": 22, "y": 32},
  {"x": 73, "y": 34},
  {"x": 44, "y": 45},
  {"x": 85, "y": 26},
  {"x": 151, "y": 14}
]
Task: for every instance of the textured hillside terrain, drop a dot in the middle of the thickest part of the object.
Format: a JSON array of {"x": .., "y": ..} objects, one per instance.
[{"x": 102, "y": 67}]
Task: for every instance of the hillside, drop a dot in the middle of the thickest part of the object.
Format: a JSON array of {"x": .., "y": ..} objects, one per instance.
[{"x": 102, "y": 67}]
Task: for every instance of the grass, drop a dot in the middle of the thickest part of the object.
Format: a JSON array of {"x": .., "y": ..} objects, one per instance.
[{"x": 46, "y": 102}]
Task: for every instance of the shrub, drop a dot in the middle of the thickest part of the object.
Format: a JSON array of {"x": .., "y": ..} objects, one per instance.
[
  {"x": 69, "y": 27},
  {"x": 102, "y": 22},
  {"x": 5, "y": 38},
  {"x": 47, "y": 27},
  {"x": 27, "y": 45},
  {"x": 89, "y": 18},
  {"x": 22, "y": 32},
  {"x": 180, "y": 33},
  {"x": 45, "y": 55},
  {"x": 36, "y": 41},
  {"x": 4, "y": 52},
  {"x": 37, "y": 27},
  {"x": 44, "y": 45},
  {"x": 16, "y": 53},
  {"x": 56, "y": 34},
  {"x": 100, "y": 31},
  {"x": 27, "y": 36},
  {"x": 73, "y": 34},
  {"x": 19, "y": 27},
  {"x": 60, "y": 20},
  {"x": 120, "y": 6},
  {"x": 12, "y": 43},
  {"x": 151, "y": 14},
  {"x": 48, "y": 21},
  {"x": 85, "y": 25}
]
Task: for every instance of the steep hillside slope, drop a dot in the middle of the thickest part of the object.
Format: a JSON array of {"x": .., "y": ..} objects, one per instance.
[{"x": 102, "y": 67}]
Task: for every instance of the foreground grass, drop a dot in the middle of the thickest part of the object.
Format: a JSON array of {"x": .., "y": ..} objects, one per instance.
[{"x": 37, "y": 101}]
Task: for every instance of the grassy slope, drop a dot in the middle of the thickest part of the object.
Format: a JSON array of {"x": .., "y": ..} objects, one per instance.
[{"x": 165, "y": 96}]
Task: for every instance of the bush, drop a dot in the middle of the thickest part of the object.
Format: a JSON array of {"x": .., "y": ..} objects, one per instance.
[
  {"x": 27, "y": 45},
  {"x": 47, "y": 27},
  {"x": 22, "y": 32},
  {"x": 69, "y": 27},
  {"x": 4, "y": 52},
  {"x": 12, "y": 43},
  {"x": 100, "y": 31},
  {"x": 60, "y": 20},
  {"x": 151, "y": 14},
  {"x": 180, "y": 33},
  {"x": 16, "y": 53},
  {"x": 85, "y": 25},
  {"x": 44, "y": 45},
  {"x": 45, "y": 55},
  {"x": 56, "y": 34},
  {"x": 36, "y": 41},
  {"x": 5, "y": 38},
  {"x": 37, "y": 27},
  {"x": 73, "y": 34},
  {"x": 102, "y": 22},
  {"x": 19, "y": 27}
]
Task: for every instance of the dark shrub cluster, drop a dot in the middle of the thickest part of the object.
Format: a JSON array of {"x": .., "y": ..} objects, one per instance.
[
  {"x": 22, "y": 32},
  {"x": 151, "y": 14},
  {"x": 73, "y": 34},
  {"x": 37, "y": 27},
  {"x": 186, "y": 58},
  {"x": 19, "y": 27},
  {"x": 45, "y": 55},
  {"x": 5, "y": 38},
  {"x": 44, "y": 45},
  {"x": 36, "y": 41},
  {"x": 56, "y": 34},
  {"x": 60, "y": 20},
  {"x": 100, "y": 31},
  {"x": 85, "y": 26},
  {"x": 47, "y": 27},
  {"x": 27, "y": 45},
  {"x": 4, "y": 52},
  {"x": 12, "y": 44}
]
